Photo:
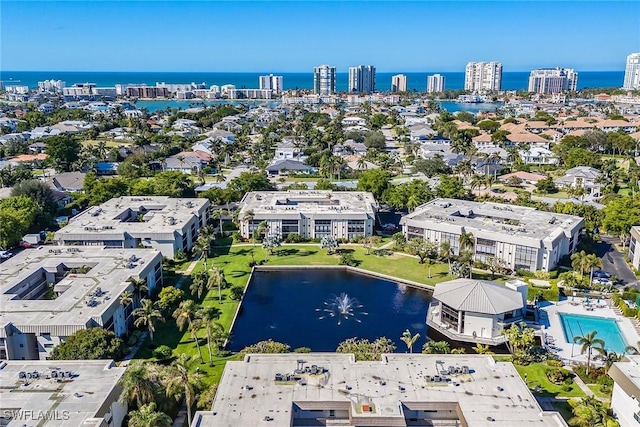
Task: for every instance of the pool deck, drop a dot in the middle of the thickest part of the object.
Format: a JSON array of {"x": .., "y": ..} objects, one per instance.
[{"x": 567, "y": 351}]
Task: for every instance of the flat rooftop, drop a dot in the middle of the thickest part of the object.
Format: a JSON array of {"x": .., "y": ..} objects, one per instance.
[
  {"x": 627, "y": 374},
  {"x": 134, "y": 215},
  {"x": 22, "y": 277},
  {"x": 492, "y": 218},
  {"x": 380, "y": 392},
  {"x": 81, "y": 399},
  {"x": 315, "y": 203}
]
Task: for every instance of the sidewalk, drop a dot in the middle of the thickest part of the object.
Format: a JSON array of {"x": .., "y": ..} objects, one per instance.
[{"x": 186, "y": 273}]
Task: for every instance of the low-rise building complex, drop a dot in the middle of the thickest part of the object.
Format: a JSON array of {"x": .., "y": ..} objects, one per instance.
[
  {"x": 309, "y": 213},
  {"x": 399, "y": 390},
  {"x": 162, "y": 223},
  {"x": 520, "y": 238},
  {"x": 625, "y": 400},
  {"x": 48, "y": 294},
  {"x": 61, "y": 393}
]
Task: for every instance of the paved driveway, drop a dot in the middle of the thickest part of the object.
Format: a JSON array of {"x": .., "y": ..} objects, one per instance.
[{"x": 613, "y": 261}]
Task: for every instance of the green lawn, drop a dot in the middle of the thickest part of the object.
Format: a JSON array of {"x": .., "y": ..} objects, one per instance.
[
  {"x": 595, "y": 388},
  {"x": 536, "y": 377},
  {"x": 234, "y": 260}
]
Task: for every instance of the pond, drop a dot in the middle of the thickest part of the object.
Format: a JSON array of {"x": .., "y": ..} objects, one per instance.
[{"x": 321, "y": 308}]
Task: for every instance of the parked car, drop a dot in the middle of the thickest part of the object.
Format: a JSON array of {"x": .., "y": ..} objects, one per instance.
[
  {"x": 602, "y": 281},
  {"x": 601, "y": 273},
  {"x": 5, "y": 254},
  {"x": 389, "y": 227}
]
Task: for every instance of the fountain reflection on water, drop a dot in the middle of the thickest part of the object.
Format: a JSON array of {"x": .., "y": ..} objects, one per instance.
[{"x": 342, "y": 307}]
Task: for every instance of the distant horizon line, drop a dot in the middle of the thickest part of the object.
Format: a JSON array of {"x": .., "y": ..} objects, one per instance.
[{"x": 281, "y": 72}]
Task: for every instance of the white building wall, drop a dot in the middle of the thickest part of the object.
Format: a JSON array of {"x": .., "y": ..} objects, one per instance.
[
  {"x": 482, "y": 324},
  {"x": 623, "y": 406},
  {"x": 119, "y": 322}
]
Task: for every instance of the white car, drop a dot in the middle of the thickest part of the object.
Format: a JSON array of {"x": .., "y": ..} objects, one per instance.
[{"x": 5, "y": 254}]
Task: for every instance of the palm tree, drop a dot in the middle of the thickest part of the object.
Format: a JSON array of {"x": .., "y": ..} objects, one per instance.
[
  {"x": 185, "y": 316},
  {"x": 199, "y": 283},
  {"x": 589, "y": 342},
  {"x": 147, "y": 315},
  {"x": 592, "y": 261},
  {"x": 436, "y": 347},
  {"x": 147, "y": 416},
  {"x": 467, "y": 241},
  {"x": 126, "y": 298},
  {"x": 139, "y": 383},
  {"x": 632, "y": 350},
  {"x": 208, "y": 315},
  {"x": 476, "y": 181},
  {"x": 181, "y": 383},
  {"x": 216, "y": 278},
  {"x": 139, "y": 286},
  {"x": 409, "y": 339},
  {"x": 579, "y": 262},
  {"x": 201, "y": 247},
  {"x": 248, "y": 218},
  {"x": 218, "y": 334},
  {"x": 482, "y": 349},
  {"x": 445, "y": 252}
]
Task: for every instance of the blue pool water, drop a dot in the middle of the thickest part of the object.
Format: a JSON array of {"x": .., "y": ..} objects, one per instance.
[{"x": 576, "y": 325}]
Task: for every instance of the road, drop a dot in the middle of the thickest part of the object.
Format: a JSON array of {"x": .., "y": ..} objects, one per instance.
[{"x": 613, "y": 261}]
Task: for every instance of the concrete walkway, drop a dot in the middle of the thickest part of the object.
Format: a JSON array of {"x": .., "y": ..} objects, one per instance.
[
  {"x": 186, "y": 273},
  {"x": 134, "y": 349},
  {"x": 181, "y": 418},
  {"x": 583, "y": 386}
]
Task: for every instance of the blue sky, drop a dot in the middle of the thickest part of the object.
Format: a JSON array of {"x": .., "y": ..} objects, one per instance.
[{"x": 292, "y": 36}]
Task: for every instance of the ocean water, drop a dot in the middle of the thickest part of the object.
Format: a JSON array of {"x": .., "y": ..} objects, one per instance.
[{"x": 415, "y": 81}]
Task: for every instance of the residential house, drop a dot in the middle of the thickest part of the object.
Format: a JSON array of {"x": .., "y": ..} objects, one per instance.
[
  {"x": 582, "y": 176},
  {"x": 43, "y": 132},
  {"x": 350, "y": 147},
  {"x": 538, "y": 156},
  {"x": 184, "y": 163},
  {"x": 285, "y": 166},
  {"x": 67, "y": 181},
  {"x": 524, "y": 177},
  {"x": 288, "y": 149}
]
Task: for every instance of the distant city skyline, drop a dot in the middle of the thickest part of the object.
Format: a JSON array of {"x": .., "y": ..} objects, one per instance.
[{"x": 116, "y": 36}]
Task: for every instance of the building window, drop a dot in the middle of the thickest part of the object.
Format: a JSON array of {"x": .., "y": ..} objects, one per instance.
[
  {"x": 526, "y": 258},
  {"x": 453, "y": 239},
  {"x": 415, "y": 232},
  {"x": 290, "y": 226},
  {"x": 449, "y": 315},
  {"x": 322, "y": 227},
  {"x": 632, "y": 248}
]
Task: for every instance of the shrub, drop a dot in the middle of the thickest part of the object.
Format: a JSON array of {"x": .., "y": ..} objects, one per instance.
[
  {"x": 179, "y": 256},
  {"x": 594, "y": 374},
  {"x": 555, "y": 363},
  {"x": 294, "y": 238},
  {"x": 346, "y": 258},
  {"x": 357, "y": 239},
  {"x": 163, "y": 352},
  {"x": 557, "y": 375},
  {"x": 133, "y": 338},
  {"x": 302, "y": 350},
  {"x": 524, "y": 273},
  {"x": 567, "y": 387},
  {"x": 236, "y": 292},
  {"x": 237, "y": 237}
]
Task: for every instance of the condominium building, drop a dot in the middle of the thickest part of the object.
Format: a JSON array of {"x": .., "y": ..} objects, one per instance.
[
  {"x": 634, "y": 246},
  {"x": 147, "y": 92},
  {"x": 163, "y": 223},
  {"x": 52, "y": 85},
  {"x": 553, "y": 80},
  {"x": 632, "y": 72},
  {"x": 48, "y": 294},
  {"x": 399, "y": 83},
  {"x": 483, "y": 76},
  {"x": 324, "y": 80},
  {"x": 521, "y": 238},
  {"x": 309, "y": 213},
  {"x": 435, "y": 83},
  {"x": 625, "y": 399},
  {"x": 61, "y": 393},
  {"x": 271, "y": 82},
  {"x": 362, "y": 79},
  {"x": 332, "y": 389}
]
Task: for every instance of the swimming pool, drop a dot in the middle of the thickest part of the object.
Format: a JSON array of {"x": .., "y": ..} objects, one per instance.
[{"x": 575, "y": 325}]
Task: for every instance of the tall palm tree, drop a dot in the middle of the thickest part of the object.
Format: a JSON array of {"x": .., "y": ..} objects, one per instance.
[
  {"x": 409, "y": 339},
  {"x": 147, "y": 416},
  {"x": 579, "y": 262},
  {"x": 248, "y": 217},
  {"x": 139, "y": 286},
  {"x": 589, "y": 342},
  {"x": 185, "y": 315},
  {"x": 218, "y": 334},
  {"x": 592, "y": 261},
  {"x": 147, "y": 315},
  {"x": 217, "y": 279},
  {"x": 467, "y": 241},
  {"x": 199, "y": 282},
  {"x": 181, "y": 383},
  {"x": 445, "y": 252},
  {"x": 208, "y": 315},
  {"x": 201, "y": 247},
  {"x": 139, "y": 384}
]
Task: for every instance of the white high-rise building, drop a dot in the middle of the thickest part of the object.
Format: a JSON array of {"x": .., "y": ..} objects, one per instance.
[
  {"x": 271, "y": 82},
  {"x": 435, "y": 83},
  {"x": 52, "y": 85},
  {"x": 483, "y": 76},
  {"x": 362, "y": 79},
  {"x": 399, "y": 83},
  {"x": 324, "y": 80},
  {"x": 553, "y": 80},
  {"x": 632, "y": 72}
]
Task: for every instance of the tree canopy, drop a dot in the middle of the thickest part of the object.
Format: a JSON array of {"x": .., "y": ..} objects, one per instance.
[
  {"x": 63, "y": 151},
  {"x": 90, "y": 344}
]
